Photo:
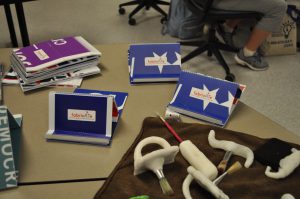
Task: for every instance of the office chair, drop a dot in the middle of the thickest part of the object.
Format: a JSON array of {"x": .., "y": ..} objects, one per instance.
[
  {"x": 213, "y": 18},
  {"x": 140, "y": 5},
  {"x": 21, "y": 21}
]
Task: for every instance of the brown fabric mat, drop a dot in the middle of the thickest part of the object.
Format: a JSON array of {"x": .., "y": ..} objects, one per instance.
[{"x": 246, "y": 183}]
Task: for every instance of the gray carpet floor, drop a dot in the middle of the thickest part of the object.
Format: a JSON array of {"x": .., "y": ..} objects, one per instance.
[{"x": 274, "y": 92}]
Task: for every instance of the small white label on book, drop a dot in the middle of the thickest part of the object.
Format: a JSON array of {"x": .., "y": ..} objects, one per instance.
[
  {"x": 208, "y": 96},
  {"x": 155, "y": 61},
  {"x": 202, "y": 94},
  {"x": 82, "y": 115},
  {"x": 41, "y": 54}
]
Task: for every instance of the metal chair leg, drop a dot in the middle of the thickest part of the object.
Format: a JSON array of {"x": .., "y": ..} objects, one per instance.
[
  {"x": 194, "y": 53},
  {"x": 138, "y": 8},
  {"x": 158, "y": 9},
  {"x": 11, "y": 27},
  {"x": 22, "y": 24}
]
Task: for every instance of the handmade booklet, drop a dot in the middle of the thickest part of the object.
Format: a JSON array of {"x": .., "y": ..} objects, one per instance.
[
  {"x": 67, "y": 66},
  {"x": 159, "y": 62},
  {"x": 10, "y": 134},
  {"x": 52, "y": 52},
  {"x": 82, "y": 117},
  {"x": 206, "y": 98},
  {"x": 11, "y": 78},
  {"x": 49, "y": 62},
  {"x": 80, "y": 73},
  {"x": 119, "y": 97}
]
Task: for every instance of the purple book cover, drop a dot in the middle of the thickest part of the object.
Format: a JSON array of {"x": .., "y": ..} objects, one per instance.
[{"x": 48, "y": 53}]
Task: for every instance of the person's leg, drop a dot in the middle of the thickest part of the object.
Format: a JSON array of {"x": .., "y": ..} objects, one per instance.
[
  {"x": 257, "y": 37},
  {"x": 248, "y": 55},
  {"x": 225, "y": 31},
  {"x": 232, "y": 23},
  {"x": 273, "y": 10}
]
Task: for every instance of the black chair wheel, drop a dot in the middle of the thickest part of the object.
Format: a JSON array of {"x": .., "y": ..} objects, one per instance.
[
  {"x": 230, "y": 77},
  {"x": 132, "y": 21},
  {"x": 163, "y": 20},
  {"x": 121, "y": 11}
]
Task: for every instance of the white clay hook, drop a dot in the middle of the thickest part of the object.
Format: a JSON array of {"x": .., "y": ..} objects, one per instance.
[
  {"x": 203, "y": 181},
  {"x": 236, "y": 149},
  {"x": 287, "y": 165},
  {"x": 155, "y": 159}
]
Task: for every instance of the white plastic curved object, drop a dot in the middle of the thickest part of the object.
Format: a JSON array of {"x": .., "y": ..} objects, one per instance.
[
  {"x": 186, "y": 186},
  {"x": 287, "y": 165},
  {"x": 197, "y": 159},
  {"x": 236, "y": 149},
  {"x": 155, "y": 159},
  {"x": 203, "y": 181},
  {"x": 287, "y": 196}
]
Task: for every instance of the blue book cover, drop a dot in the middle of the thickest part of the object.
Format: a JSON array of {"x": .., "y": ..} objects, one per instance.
[
  {"x": 16, "y": 132},
  {"x": 206, "y": 98},
  {"x": 10, "y": 135},
  {"x": 120, "y": 97},
  {"x": 72, "y": 115},
  {"x": 159, "y": 62}
]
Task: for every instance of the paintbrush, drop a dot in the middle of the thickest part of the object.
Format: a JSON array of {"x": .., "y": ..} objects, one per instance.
[
  {"x": 163, "y": 182},
  {"x": 233, "y": 168},
  {"x": 192, "y": 154},
  {"x": 155, "y": 160},
  {"x": 223, "y": 164},
  {"x": 170, "y": 128}
]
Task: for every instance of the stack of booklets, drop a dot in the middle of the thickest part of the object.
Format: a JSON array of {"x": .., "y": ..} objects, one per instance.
[
  {"x": 54, "y": 61},
  {"x": 85, "y": 116},
  {"x": 11, "y": 78},
  {"x": 160, "y": 62},
  {"x": 10, "y": 134},
  {"x": 206, "y": 98}
]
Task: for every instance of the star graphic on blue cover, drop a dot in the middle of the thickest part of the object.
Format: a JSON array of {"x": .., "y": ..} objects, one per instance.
[
  {"x": 228, "y": 103},
  {"x": 164, "y": 57},
  {"x": 206, "y": 95},
  {"x": 209, "y": 96},
  {"x": 212, "y": 94}
]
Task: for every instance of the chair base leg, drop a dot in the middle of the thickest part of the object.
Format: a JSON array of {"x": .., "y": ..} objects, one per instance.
[
  {"x": 195, "y": 53},
  {"x": 212, "y": 49},
  {"x": 138, "y": 8},
  {"x": 141, "y": 4},
  {"x": 162, "y": 3},
  {"x": 158, "y": 9},
  {"x": 11, "y": 27}
]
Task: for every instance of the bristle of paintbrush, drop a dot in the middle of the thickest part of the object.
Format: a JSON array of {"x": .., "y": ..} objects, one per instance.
[
  {"x": 235, "y": 167},
  {"x": 223, "y": 164},
  {"x": 165, "y": 186}
]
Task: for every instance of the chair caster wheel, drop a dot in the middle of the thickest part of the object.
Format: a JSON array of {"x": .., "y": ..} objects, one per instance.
[
  {"x": 121, "y": 11},
  {"x": 163, "y": 20},
  {"x": 132, "y": 21},
  {"x": 230, "y": 77}
]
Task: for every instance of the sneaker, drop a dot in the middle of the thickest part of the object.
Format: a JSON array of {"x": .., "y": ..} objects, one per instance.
[
  {"x": 261, "y": 51},
  {"x": 225, "y": 37},
  {"x": 255, "y": 62}
]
